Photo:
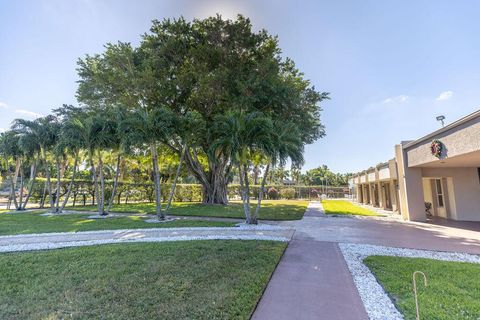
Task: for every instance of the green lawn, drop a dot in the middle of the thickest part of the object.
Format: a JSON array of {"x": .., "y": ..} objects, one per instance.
[
  {"x": 344, "y": 207},
  {"x": 453, "y": 290},
  {"x": 174, "y": 280},
  {"x": 33, "y": 222},
  {"x": 271, "y": 209}
]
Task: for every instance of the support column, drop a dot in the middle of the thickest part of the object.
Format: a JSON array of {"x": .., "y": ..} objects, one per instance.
[
  {"x": 381, "y": 195},
  {"x": 393, "y": 195},
  {"x": 359, "y": 193},
  {"x": 412, "y": 203}
]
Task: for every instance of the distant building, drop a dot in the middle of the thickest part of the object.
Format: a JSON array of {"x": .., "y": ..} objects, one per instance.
[{"x": 440, "y": 171}]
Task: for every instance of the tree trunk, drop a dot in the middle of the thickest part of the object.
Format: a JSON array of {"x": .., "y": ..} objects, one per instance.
[
  {"x": 13, "y": 182},
  {"x": 260, "y": 195},
  {"x": 12, "y": 190},
  {"x": 174, "y": 185},
  {"x": 214, "y": 181},
  {"x": 245, "y": 190},
  {"x": 156, "y": 177},
  {"x": 57, "y": 192},
  {"x": 115, "y": 184},
  {"x": 18, "y": 164},
  {"x": 95, "y": 180},
  {"x": 21, "y": 190},
  {"x": 47, "y": 175},
  {"x": 255, "y": 175},
  {"x": 33, "y": 176},
  {"x": 69, "y": 190},
  {"x": 44, "y": 195},
  {"x": 101, "y": 199}
]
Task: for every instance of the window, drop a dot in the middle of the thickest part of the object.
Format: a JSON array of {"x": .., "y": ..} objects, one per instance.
[{"x": 438, "y": 187}]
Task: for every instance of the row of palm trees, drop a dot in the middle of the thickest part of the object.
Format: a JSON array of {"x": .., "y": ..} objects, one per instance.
[
  {"x": 69, "y": 134},
  {"x": 83, "y": 137}
]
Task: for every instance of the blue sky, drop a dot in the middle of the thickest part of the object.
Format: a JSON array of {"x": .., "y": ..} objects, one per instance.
[{"x": 390, "y": 66}]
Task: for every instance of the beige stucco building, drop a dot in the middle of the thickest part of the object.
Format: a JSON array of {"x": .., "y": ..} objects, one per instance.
[{"x": 440, "y": 170}]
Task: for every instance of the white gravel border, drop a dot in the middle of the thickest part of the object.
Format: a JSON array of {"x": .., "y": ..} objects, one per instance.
[
  {"x": 144, "y": 235},
  {"x": 377, "y": 303},
  {"x": 241, "y": 227},
  {"x": 58, "y": 245}
]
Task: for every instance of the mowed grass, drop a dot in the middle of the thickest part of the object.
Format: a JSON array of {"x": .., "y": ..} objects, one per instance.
[
  {"x": 33, "y": 222},
  {"x": 270, "y": 210},
  {"x": 174, "y": 280},
  {"x": 453, "y": 290},
  {"x": 344, "y": 207}
]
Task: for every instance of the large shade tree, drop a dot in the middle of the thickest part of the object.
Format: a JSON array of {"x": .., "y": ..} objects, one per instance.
[{"x": 211, "y": 67}]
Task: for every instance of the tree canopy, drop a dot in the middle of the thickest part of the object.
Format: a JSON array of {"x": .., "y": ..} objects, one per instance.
[{"x": 201, "y": 72}]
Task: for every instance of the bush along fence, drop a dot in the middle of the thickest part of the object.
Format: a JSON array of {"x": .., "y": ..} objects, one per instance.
[{"x": 83, "y": 192}]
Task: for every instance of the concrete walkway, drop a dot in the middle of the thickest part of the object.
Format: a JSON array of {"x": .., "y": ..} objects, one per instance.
[{"x": 312, "y": 280}]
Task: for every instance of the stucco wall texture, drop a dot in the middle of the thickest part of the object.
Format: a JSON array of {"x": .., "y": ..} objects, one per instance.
[{"x": 457, "y": 141}]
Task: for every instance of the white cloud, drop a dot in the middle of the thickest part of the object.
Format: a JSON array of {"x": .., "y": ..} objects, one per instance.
[
  {"x": 400, "y": 98},
  {"x": 445, "y": 95},
  {"x": 28, "y": 113},
  {"x": 3, "y": 105}
]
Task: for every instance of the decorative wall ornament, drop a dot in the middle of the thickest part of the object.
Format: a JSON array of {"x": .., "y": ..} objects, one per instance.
[{"x": 436, "y": 148}]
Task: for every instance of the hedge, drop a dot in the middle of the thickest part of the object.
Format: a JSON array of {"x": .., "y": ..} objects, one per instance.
[{"x": 83, "y": 192}]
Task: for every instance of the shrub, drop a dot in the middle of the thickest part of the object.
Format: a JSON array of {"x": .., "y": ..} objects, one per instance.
[
  {"x": 288, "y": 193},
  {"x": 272, "y": 193}
]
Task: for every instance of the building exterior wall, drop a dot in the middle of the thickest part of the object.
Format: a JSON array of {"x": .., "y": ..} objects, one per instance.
[
  {"x": 410, "y": 176},
  {"x": 462, "y": 187},
  {"x": 412, "y": 205},
  {"x": 384, "y": 173},
  {"x": 457, "y": 141}
]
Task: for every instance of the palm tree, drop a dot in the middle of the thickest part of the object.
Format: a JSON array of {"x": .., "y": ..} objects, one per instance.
[
  {"x": 43, "y": 131},
  {"x": 30, "y": 155},
  {"x": 287, "y": 144},
  {"x": 241, "y": 135},
  {"x": 95, "y": 132},
  {"x": 146, "y": 129},
  {"x": 10, "y": 150}
]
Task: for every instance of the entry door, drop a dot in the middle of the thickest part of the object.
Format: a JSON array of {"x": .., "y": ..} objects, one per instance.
[{"x": 439, "y": 196}]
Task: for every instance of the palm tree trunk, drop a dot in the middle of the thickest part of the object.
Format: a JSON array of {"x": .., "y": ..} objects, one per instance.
[
  {"x": 57, "y": 192},
  {"x": 177, "y": 174},
  {"x": 17, "y": 171},
  {"x": 101, "y": 200},
  {"x": 69, "y": 190},
  {"x": 47, "y": 175},
  {"x": 156, "y": 177},
  {"x": 115, "y": 184},
  {"x": 13, "y": 183},
  {"x": 42, "y": 199},
  {"x": 94, "y": 177},
  {"x": 21, "y": 190},
  {"x": 260, "y": 195},
  {"x": 244, "y": 186},
  {"x": 12, "y": 191},
  {"x": 33, "y": 176}
]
